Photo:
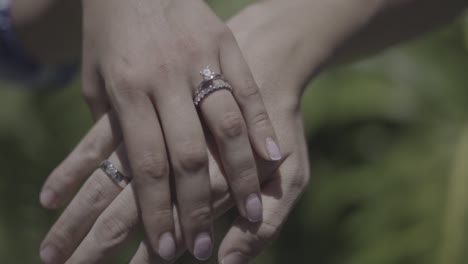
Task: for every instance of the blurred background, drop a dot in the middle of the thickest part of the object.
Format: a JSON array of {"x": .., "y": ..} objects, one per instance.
[{"x": 388, "y": 143}]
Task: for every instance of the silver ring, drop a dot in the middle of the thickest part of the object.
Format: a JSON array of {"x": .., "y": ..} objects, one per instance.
[
  {"x": 110, "y": 170},
  {"x": 212, "y": 81}
]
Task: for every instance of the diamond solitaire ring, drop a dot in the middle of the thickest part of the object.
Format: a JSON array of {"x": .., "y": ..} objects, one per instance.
[{"x": 212, "y": 81}]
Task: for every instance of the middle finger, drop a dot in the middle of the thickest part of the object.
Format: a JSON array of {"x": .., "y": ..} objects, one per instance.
[
  {"x": 189, "y": 160},
  {"x": 224, "y": 119},
  {"x": 74, "y": 223}
]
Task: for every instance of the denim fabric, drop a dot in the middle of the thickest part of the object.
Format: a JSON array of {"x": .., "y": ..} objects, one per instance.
[{"x": 18, "y": 66}]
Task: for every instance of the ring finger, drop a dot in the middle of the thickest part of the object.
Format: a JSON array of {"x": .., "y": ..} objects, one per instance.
[{"x": 225, "y": 121}]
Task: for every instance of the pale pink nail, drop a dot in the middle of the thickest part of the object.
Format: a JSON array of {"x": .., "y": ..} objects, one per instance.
[
  {"x": 48, "y": 198},
  {"x": 273, "y": 149},
  {"x": 235, "y": 258},
  {"x": 167, "y": 247},
  {"x": 203, "y": 247},
  {"x": 254, "y": 208},
  {"x": 49, "y": 255}
]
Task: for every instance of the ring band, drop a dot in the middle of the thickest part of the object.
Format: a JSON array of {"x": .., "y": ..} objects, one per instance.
[
  {"x": 205, "y": 91},
  {"x": 211, "y": 82},
  {"x": 110, "y": 170}
]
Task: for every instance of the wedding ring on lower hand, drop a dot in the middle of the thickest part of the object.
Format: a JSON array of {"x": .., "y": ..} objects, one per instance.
[{"x": 110, "y": 170}]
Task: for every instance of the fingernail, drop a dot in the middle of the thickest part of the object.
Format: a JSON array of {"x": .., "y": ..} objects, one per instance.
[
  {"x": 235, "y": 258},
  {"x": 273, "y": 149},
  {"x": 254, "y": 208},
  {"x": 47, "y": 198},
  {"x": 167, "y": 247},
  {"x": 49, "y": 255},
  {"x": 203, "y": 247}
]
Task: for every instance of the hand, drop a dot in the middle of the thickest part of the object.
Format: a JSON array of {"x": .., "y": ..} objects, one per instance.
[
  {"x": 140, "y": 62},
  {"x": 101, "y": 217}
]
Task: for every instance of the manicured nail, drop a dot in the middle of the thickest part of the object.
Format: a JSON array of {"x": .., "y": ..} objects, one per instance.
[
  {"x": 235, "y": 258},
  {"x": 254, "y": 208},
  {"x": 47, "y": 198},
  {"x": 167, "y": 247},
  {"x": 273, "y": 149},
  {"x": 49, "y": 255},
  {"x": 203, "y": 247}
]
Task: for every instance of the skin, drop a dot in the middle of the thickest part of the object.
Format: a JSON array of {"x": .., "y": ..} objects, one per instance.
[
  {"x": 148, "y": 84},
  {"x": 304, "y": 51}
]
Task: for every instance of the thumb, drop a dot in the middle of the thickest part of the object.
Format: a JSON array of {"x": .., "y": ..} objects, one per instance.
[{"x": 245, "y": 240}]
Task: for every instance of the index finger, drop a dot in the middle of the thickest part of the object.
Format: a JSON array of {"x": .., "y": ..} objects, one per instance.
[{"x": 97, "y": 145}]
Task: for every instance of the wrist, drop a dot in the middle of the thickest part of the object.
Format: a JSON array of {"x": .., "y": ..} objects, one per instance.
[{"x": 305, "y": 33}]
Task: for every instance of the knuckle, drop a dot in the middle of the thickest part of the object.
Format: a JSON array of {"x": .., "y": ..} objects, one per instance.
[
  {"x": 261, "y": 119},
  {"x": 200, "y": 215},
  {"x": 163, "y": 68},
  {"x": 152, "y": 166},
  {"x": 111, "y": 230},
  {"x": 190, "y": 47},
  {"x": 192, "y": 158},
  {"x": 268, "y": 232},
  {"x": 167, "y": 68},
  {"x": 299, "y": 182},
  {"x": 246, "y": 174},
  {"x": 96, "y": 194},
  {"x": 249, "y": 91},
  {"x": 90, "y": 95},
  {"x": 232, "y": 125},
  {"x": 125, "y": 82},
  {"x": 91, "y": 155},
  {"x": 163, "y": 216},
  {"x": 126, "y": 86}
]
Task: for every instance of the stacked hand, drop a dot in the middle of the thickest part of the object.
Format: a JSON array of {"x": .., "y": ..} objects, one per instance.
[
  {"x": 102, "y": 216},
  {"x": 140, "y": 72},
  {"x": 141, "y": 64}
]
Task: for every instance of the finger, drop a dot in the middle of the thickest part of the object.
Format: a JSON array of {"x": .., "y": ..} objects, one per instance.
[
  {"x": 147, "y": 155},
  {"x": 112, "y": 230},
  {"x": 145, "y": 255},
  {"x": 77, "y": 219},
  {"x": 225, "y": 121},
  {"x": 97, "y": 145},
  {"x": 110, "y": 234},
  {"x": 249, "y": 99},
  {"x": 189, "y": 160},
  {"x": 93, "y": 90},
  {"x": 245, "y": 240}
]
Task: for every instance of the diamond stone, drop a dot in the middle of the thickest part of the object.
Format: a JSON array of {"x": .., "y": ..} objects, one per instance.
[{"x": 207, "y": 73}]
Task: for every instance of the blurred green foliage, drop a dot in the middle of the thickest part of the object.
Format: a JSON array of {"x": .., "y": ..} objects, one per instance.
[{"x": 388, "y": 143}]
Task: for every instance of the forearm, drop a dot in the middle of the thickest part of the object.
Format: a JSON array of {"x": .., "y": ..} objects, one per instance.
[
  {"x": 399, "y": 23},
  {"x": 306, "y": 35},
  {"x": 50, "y": 30}
]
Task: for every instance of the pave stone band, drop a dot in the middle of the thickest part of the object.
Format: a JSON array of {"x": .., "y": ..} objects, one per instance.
[
  {"x": 211, "y": 82},
  {"x": 204, "y": 92},
  {"x": 113, "y": 173}
]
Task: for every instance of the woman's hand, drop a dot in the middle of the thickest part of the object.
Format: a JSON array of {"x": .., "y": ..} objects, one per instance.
[
  {"x": 101, "y": 217},
  {"x": 141, "y": 62},
  {"x": 282, "y": 57}
]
